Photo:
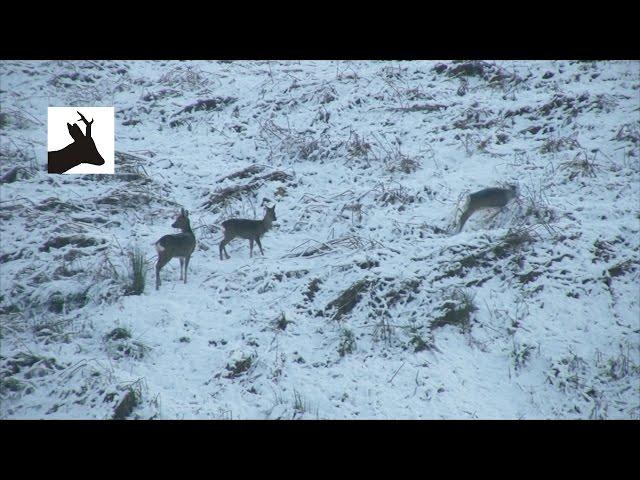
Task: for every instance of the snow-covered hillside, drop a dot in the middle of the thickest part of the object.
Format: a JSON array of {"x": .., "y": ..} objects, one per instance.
[{"x": 366, "y": 303}]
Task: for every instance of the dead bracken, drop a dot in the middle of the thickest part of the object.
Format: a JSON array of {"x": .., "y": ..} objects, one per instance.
[{"x": 348, "y": 299}]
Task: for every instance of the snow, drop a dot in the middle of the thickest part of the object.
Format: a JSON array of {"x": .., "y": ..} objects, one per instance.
[{"x": 380, "y": 156}]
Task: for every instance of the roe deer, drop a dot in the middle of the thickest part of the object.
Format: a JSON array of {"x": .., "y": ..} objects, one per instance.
[
  {"x": 487, "y": 198},
  {"x": 179, "y": 245},
  {"x": 252, "y": 230},
  {"x": 82, "y": 150}
]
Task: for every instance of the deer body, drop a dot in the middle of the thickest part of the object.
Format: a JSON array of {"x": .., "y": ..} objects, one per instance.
[
  {"x": 82, "y": 150},
  {"x": 179, "y": 245},
  {"x": 250, "y": 230},
  {"x": 487, "y": 198}
]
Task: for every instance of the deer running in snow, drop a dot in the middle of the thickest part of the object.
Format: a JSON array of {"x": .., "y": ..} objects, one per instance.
[{"x": 487, "y": 198}]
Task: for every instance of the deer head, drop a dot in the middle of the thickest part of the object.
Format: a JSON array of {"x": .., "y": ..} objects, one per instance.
[
  {"x": 182, "y": 221},
  {"x": 82, "y": 150}
]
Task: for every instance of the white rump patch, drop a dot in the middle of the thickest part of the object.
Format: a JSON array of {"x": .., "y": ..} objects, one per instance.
[{"x": 159, "y": 248}]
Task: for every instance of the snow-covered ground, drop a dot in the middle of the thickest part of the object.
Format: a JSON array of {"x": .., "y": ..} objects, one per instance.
[{"x": 366, "y": 304}]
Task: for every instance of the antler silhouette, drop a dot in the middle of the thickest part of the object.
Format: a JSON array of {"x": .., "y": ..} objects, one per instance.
[
  {"x": 82, "y": 150},
  {"x": 87, "y": 124}
]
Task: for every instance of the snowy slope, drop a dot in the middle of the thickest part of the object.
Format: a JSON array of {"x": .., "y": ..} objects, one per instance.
[{"x": 365, "y": 305}]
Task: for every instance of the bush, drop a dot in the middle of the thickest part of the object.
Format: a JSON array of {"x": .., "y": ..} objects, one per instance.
[
  {"x": 137, "y": 272},
  {"x": 419, "y": 344},
  {"x": 281, "y": 322},
  {"x": 300, "y": 405},
  {"x": 240, "y": 367},
  {"x": 456, "y": 311},
  {"x": 347, "y": 342},
  {"x": 118, "y": 334},
  {"x": 130, "y": 400},
  {"x": 119, "y": 344}
]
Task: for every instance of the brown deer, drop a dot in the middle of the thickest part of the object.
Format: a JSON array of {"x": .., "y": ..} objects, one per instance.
[
  {"x": 487, "y": 198},
  {"x": 82, "y": 150},
  {"x": 179, "y": 245},
  {"x": 251, "y": 230}
]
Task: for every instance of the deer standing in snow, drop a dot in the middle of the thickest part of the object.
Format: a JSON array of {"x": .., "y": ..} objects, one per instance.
[
  {"x": 251, "y": 230},
  {"x": 179, "y": 245}
]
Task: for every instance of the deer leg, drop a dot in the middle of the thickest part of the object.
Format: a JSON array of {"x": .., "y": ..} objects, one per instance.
[
  {"x": 186, "y": 265},
  {"x": 223, "y": 245},
  {"x": 463, "y": 219},
  {"x": 162, "y": 261},
  {"x": 260, "y": 245},
  {"x": 251, "y": 247},
  {"x": 182, "y": 267}
]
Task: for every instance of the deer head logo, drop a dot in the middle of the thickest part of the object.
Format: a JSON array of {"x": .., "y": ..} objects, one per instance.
[{"x": 82, "y": 150}]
